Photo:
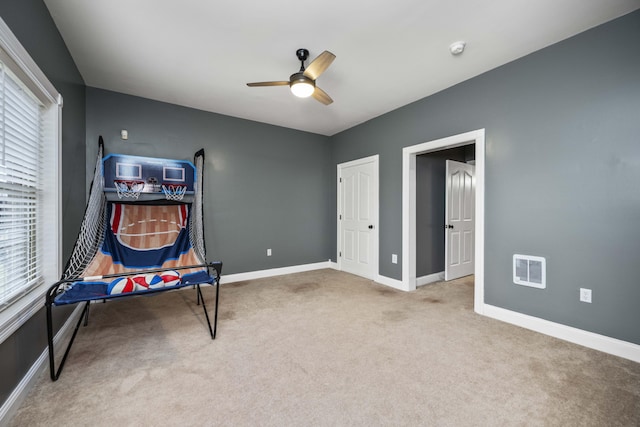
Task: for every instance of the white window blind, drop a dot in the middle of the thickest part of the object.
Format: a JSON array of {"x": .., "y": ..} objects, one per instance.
[{"x": 21, "y": 128}]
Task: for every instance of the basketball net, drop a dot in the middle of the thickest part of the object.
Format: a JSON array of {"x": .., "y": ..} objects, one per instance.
[
  {"x": 128, "y": 189},
  {"x": 173, "y": 191},
  {"x": 92, "y": 229}
]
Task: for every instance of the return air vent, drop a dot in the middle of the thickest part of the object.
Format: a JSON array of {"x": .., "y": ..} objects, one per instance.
[{"x": 530, "y": 270}]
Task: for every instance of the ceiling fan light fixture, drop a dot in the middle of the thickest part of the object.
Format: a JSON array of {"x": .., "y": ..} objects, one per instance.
[
  {"x": 303, "y": 83},
  {"x": 302, "y": 86}
]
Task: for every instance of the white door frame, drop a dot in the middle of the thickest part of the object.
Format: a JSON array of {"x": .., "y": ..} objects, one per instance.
[
  {"x": 409, "y": 208},
  {"x": 376, "y": 235}
]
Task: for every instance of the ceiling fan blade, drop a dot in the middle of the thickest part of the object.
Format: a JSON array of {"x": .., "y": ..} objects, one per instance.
[
  {"x": 319, "y": 65},
  {"x": 322, "y": 96},
  {"x": 257, "y": 84}
]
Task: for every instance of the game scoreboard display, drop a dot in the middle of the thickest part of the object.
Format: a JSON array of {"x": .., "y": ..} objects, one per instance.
[{"x": 129, "y": 178}]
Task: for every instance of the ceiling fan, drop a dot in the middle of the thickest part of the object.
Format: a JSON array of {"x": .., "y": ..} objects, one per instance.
[{"x": 303, "y": 83}]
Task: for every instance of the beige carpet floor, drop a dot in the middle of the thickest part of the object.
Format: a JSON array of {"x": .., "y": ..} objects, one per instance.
[{"x": 325, "y": 348}]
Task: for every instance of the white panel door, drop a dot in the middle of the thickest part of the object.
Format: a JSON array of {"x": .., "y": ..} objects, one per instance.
[
  {"x": 358, "y": 217},
  {"x": 459, "y": 220}
]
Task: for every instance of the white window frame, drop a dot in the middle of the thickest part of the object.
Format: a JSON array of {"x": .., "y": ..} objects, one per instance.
[{"x": 18, "y": 60}]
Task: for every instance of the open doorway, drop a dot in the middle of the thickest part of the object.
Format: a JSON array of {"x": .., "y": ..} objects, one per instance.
[
  {"x": 444, "y": 230},
  {"x": 409, "y": 241}
]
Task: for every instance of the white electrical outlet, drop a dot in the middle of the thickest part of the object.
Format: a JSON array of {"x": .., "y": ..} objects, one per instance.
[
  {"x": 268, "y": 252},
  {"x": 394, "y": 258},
  {"x": 585, "y": 295}
]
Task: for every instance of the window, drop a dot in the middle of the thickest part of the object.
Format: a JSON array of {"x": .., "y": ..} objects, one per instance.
[
  {"x": 20, "y": 162},
  {"x": 29, "y": 184}
]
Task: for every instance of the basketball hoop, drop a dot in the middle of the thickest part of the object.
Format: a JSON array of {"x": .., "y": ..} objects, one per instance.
[
  {"x": 128, "y": 189},
  {"x": 173, "y": 191}
]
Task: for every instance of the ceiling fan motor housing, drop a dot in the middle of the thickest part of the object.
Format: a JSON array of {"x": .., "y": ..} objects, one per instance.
[{"x": 300, "y": 78}]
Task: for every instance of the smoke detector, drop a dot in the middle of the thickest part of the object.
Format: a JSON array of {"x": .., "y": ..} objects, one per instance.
[{"x": 457, "y": 48}]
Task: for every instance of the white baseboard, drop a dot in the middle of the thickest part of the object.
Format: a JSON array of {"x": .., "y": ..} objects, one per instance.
[
  {"x": 259, "y": 274},
  {"x": 387, "y": 281},
  {"x": 592, "y": 340},
  {"x": 17, "y": 396},
  {"x": 383, "y": 280},
  {"x": 430, "y": 278}
]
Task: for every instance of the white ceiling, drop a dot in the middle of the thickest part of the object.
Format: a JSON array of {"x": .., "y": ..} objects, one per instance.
[{"x": 201, "y": 53}]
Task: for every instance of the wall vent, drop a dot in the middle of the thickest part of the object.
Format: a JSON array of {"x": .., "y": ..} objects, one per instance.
[{"x": 529, "y": 270}]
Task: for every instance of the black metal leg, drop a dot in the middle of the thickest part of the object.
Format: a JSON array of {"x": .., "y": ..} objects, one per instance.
[
  {"x": 205, "y": 311},
  {"x": 215, "y": 314},
  {"x": 52, "y": 369},
  {"x": 200, "y": 297},
  {"x": 86, "y": 315}
]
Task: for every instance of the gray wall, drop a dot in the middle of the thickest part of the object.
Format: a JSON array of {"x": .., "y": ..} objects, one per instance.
[
  {"x": 430, "y": 206},
  {"x": 31, "y": 23},
  {"x": 265, "y": 186},
  {"x": 562, "y": 167}
]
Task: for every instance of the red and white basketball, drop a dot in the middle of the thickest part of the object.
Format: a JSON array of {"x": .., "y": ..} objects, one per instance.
[
  {"x": 120, "y": 285},
  {"x": 145, "y": 281},
  {"x": 170, "y": 278}
]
